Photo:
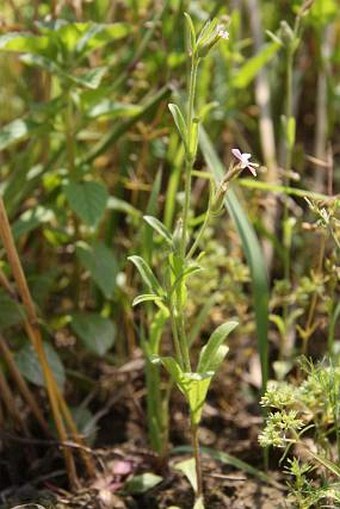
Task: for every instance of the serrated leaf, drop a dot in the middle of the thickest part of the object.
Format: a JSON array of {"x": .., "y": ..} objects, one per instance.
[
  {"x": 99, "y": 260},
  {"x": 211, "y": 353},
  {"x": 146, "y": 274},
  {"x": 146, "y": 297},
  {"x": 159, "y": 227},
  {"x": 142, "y": 483},
  {"x": 11, "y": 313},
  {"x": 179, "y": 121},
  {"x": 29, "y": 366},
  {"x": 88, "y": 200},
  {"x": 96, "y": 332}
]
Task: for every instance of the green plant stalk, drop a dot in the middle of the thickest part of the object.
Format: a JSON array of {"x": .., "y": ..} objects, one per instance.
[
  {"x": 197, "y": 456},
  {"x": 71, "y": 160},
  {"x": 190, "y": 157}
]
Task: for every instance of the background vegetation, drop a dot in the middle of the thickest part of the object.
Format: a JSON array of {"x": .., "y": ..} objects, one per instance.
[{"x": 88, "y": 147}]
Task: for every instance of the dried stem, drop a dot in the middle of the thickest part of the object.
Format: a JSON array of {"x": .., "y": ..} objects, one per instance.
[
  {"x": 22, "y": 385},
  {"x": 58, "y": 405}
]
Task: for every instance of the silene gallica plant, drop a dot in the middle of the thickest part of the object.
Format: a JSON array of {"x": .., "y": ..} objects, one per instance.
[{"x": 169, "y": 291}]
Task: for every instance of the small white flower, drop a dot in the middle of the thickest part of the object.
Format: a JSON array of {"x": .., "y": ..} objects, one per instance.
[
  {"x": 244, "y": 160},
  {"x": 222, "y": 33}
]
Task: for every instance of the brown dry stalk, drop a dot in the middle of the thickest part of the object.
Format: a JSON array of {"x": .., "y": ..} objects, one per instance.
[
  {"x": 57, "y": 402},
  {"x": 22, "y": 385},
  {"x": 9, "y": 402}
]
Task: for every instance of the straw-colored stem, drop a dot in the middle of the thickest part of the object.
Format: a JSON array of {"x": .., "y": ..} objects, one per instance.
[
  {"x": 22, "y": 385},
  {"x": 32, "y": 328}
]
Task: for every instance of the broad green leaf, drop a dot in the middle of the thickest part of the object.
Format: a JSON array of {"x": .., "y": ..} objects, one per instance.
[
  {"x": 113, "y": 109},
  {"x": 83, "y": 37},
  {"x": 252, "y": 250},
  {"x": 142, "y": 483},
  {"x": 324, "y": 11},
  {"x": 188, "y": 468},
  {"x": 23, "y": 43},
  {"x": 45, "y": 63},
  {"x": 16, "y": 131},
  {"x": 99, "y": 260},
  {"x": 159, "y": 227},
  {"x": 146, "y": 297},
  {"x": 96, "y": 332},
  {"x": 146, "y": 274},
  {"x": 253, "y": 65},
  {"x": 179, "y": 121},
  {"x": 211, "y": 352},
  {"x": 11, "y": 313},
  {"x": 88, "y": 200},
  {"x": 29, "y": 366},
  {"x": 30, "y": 220},
  {"x": 91, "y": 79}
]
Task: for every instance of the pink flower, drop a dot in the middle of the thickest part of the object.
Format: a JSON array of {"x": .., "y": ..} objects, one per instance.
[{"x": 244, "y": 160}]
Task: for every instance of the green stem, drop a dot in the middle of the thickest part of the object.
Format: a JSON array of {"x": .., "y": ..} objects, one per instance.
[
  {"x": 191, "y": 151},
  {"x": 197, "y": 456}
]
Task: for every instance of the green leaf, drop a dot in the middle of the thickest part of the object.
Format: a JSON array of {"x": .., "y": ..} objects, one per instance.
[
  {"x": 142, "y": 483},
  {"x": 16, "y": 131},
  {"x": 113, "y": 109},
  {"x": 159, "y": 227},
  {"x": 211, "y": 353},
  {"x": 90, "y": 79},
  {"x": 191, "y": 30},
  {"x": 88, "y": 200},
  {"x": 146, "y": 274},
  {"x": 99, "y": 260},
  {"x": 146, "y": 297},
  {"x": 11, "y": 313},
  {"x": 96, "y": 332},
  {"x": 253, "y": 65},
  {"x": 188, "y": 468},
  {"x": 179, "y": 121},
  {"x": 29, "y": 366},
  {"x": 194, "y": 386},
  {"x": 24, "y": 43},
  {"x": 253, "y": 253},
  {"x": 30, "y": 220}
]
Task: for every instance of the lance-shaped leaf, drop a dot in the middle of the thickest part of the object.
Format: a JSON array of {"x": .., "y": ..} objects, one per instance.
[
  {"x": 146, "y": 297},
  {"x": 179, "y": 121},
  {"x": 146, "y": 274},
  {"x": 159, "y": 227},
  {"x": 213, "y": 353},
  {"x": 191, "y": 30}
]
